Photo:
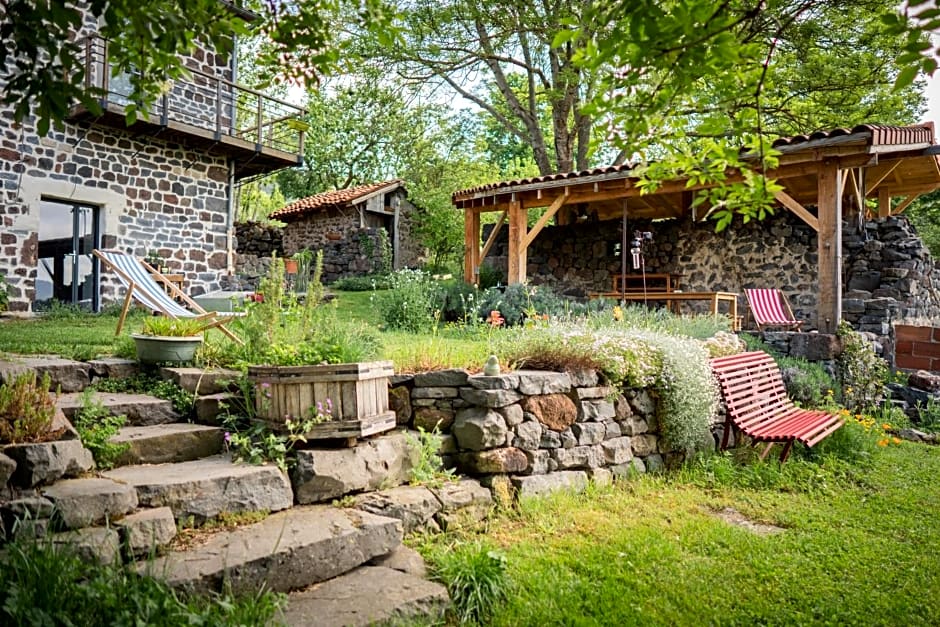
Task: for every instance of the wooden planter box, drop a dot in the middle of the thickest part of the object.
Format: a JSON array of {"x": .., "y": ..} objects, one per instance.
[{"x": 358, "y": 393}]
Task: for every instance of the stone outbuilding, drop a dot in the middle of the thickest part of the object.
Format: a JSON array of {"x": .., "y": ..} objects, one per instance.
[
  {"x": 164, "y": 184},
  {"x": 335, "y": 221}
]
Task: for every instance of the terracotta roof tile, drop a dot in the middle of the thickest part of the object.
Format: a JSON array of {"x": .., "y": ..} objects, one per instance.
[
  {"x": 874, "y": 134},
  {"x": 335, "y": 198}
]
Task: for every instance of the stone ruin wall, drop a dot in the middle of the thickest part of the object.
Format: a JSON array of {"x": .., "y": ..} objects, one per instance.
[
  {"x": 357, "y": 253},
  {"x": 538, "y": 431},
  {"x": 888, "y": 273}
]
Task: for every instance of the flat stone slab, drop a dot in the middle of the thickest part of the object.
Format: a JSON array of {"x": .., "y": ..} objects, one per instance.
[
  {"x": 114, "y": 367},
  {"x": 366, "y": 596},
  {"x": 65, "y": 374},
  {"x": 284, "y": 552},
  {"x": 140, "y": 409},
  {"x": 540, "y": 485},
  {"x": 93, "y": 501},
  {"x": 204, "y": 488},
  {"x": 168, "y": 443},
  {"x": 414, "y": 506},
  {"x": 200, "y": 381}
]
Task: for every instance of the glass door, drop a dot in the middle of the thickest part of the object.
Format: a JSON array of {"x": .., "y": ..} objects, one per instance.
[{"x": 67, "y": 272}]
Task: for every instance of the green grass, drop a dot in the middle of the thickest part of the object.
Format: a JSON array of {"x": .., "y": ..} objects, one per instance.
[
  {"x": 859, "y": 547},
  {"x": 79, "y": 337}
]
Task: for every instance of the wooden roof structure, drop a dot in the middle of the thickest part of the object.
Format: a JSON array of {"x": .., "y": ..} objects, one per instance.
[{"x": 824, "y": 175}]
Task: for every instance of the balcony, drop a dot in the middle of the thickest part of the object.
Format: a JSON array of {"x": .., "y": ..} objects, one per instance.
[{"x": 203, "y": 112}]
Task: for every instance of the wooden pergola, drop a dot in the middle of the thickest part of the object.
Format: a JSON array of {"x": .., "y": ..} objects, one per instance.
[{"x": 825, "y": 176}]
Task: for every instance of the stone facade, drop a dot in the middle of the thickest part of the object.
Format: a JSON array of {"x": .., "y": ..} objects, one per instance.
[
  {"x": 887, "y": 270},
  {"x": 150, "y": 194}
]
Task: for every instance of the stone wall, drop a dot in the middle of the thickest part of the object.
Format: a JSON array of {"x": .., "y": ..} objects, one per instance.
[
  {"x": 887, "y": 270},
  {"x": 320, "y": 229},
  {"x": 538, "y": 430},
  {"x": 261, "y": 240},
  {"x": 152, "y": 194}
]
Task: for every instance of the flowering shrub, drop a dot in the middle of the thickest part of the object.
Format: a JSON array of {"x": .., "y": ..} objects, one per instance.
[
  {"x": 861, "y": 371},
  {"x": 411, "y": 301},
  {"x": 676, "y": 367},
  {"x": 723, "y": 344}
]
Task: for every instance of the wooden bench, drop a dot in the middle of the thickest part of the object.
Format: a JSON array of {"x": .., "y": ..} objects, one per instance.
[{"x": 758, "y": 405}]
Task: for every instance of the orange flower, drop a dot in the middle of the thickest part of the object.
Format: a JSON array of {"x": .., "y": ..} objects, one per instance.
[{"x": 495, "y": 319}]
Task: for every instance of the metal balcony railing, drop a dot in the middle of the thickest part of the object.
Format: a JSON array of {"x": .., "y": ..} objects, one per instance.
[{"x": 206, "y": 102}]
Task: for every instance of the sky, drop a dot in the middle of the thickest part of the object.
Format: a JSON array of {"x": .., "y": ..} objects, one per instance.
[{"x": 933, "y": 99}]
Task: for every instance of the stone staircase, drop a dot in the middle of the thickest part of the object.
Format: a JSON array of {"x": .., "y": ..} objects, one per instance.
[{"x": 340, "y": 565}]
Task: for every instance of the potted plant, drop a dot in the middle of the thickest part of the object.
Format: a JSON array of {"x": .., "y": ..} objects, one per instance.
[{"x": 168, "y": 340}]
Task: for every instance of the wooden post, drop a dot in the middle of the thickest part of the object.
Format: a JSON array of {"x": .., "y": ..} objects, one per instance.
[
  {"x": 471, "y": 245},
  {"x": 517, "y": 250},
  {"x": 884, "y": 203},
  {"x": 830, "y": 248}
]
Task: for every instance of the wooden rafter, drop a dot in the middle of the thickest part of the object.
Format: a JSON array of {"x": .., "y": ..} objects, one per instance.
[
  {"x": 799, "y": 210},
  {"x": 548, "y": 215},
  {"x": 875, "y": 183},
  {"x": 492, "y": 238},
  {"x": 904, "y": 204}
]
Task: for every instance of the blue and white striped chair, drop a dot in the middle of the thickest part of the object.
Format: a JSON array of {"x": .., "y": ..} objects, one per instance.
[{"x": 157, "y": 293}]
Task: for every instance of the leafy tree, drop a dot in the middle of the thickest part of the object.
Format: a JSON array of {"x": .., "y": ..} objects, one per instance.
[
  {"x": 257, "y": 199},
  {"x": 41, "y": 62},
  {"x": 925, "y": 216}
]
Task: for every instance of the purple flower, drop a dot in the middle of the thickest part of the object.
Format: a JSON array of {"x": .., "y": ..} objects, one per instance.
[{"x": 228, "y": 437}]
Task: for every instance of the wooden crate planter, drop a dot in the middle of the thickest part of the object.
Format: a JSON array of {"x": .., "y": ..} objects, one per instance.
[{"x": 358, "y": 393}]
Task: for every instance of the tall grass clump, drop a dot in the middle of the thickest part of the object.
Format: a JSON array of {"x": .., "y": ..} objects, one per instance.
[
  {"x": 476, "y": 577},
  {"x": 46, "y": 584}
]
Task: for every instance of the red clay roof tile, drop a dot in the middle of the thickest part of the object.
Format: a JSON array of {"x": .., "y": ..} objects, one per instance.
[{"x": 335, "y": 198}]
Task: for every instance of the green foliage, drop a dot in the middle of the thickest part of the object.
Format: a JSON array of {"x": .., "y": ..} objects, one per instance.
[
  {"x": 164, "y": 326},
  {"x": 457, "y": 302},
  {"x": 27, "y": 409},
  {"x": 928, "y": 415},
  {"x": 741, "y": 470},
  {"x": 410, "y": 303},
  {"x": 490, "y": 276},
  {"x": 924, "y": 214},
  {"x": 96, "y": 426},
  {"x": 476, "y": 577},
  {"x": 518, "y": 303},
  {"x": 254, "y": 204},
  {"x": 282, "y": 332},
  {"x": 257, "y": 442},
  {"x": 861, "y": 371},
  {"x": 49, "y": 584},
  {"x": 807, "y": 382},
  {"x": 366, "y": 283},
  {"x": 428, "y": 468},
  {"x": 4, "y": 294}
]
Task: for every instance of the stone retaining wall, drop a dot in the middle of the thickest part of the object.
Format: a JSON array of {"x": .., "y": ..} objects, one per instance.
[{"x": 537, "y": 430}]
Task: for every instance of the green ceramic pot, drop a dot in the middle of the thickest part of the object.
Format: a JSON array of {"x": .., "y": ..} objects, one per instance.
[{"x": 156, "y": 349}]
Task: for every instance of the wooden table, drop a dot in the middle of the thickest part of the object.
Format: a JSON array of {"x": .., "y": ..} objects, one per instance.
[
  {"x": 171, "y": 279},
  {"x": 651, "y": 281},
  {"x": 674, "y": 298}
]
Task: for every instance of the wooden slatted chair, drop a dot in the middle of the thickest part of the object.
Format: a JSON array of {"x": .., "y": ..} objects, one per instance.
[
  {"x": 757, "y": 404},
  {"x": 769, "y": 308},
  {"x": 157, "y": 293}
]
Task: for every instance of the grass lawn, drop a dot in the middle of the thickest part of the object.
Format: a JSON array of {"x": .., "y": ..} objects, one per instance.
[
  {"x": 856, "y": 550},
  {"x": 83, "y": 336}
]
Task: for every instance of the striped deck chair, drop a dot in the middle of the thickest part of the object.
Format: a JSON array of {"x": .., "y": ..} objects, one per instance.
[
  {"x": 769, "y": 308},
  {"x": 148, "y": 287}
]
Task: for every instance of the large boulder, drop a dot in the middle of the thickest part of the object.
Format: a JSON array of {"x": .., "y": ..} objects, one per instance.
[
  {"x": 463, "y": 502},
  {"x": 382, "y": 462},
  {"x": 555, "y": 411},
  {"x": 85, "y": 502},
  {"x": 45, "y": 462},
  {"x": 478, "y": 428}
]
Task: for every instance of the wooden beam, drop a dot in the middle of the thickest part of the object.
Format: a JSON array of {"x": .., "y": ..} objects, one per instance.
[
  {"x": 548, "y": 215},
  {"x": 492, "y": 238},
  {"x": 471, "y": 242},
  {"x": 517, "y": 252},
  {"x": 884, "y": 203},
  {"x": 801, "y": 212},
  {"x": 829, "y": 307},
  {"x": 875, "y": 183},
  {"x": 904, "y": 204}
]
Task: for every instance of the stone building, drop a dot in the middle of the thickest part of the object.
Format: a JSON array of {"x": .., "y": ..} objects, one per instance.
[
  {"x": 340, "y": 220},
  {"x": 163, "y": 184}
]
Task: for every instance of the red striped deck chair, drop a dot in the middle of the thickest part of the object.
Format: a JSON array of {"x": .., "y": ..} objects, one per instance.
[
  {"x": 769, "y": 308},
  {"x": 157, "y": 293}
]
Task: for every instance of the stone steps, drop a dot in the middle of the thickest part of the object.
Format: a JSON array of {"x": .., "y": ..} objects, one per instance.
[
  {"x": 168, "y": 443},
  {"x": 140, "y": 409},
  {"x": 200, "y": 490},
  {"x": 65, "y": 374},
  {"x": 366, "y": 596},
  {"x": 286, "y": 551}
]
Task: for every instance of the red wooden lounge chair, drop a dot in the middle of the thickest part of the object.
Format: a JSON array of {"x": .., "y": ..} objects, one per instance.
[
  {"x": 758, "y": 405},
  {"x": 769, "y": 308}
]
